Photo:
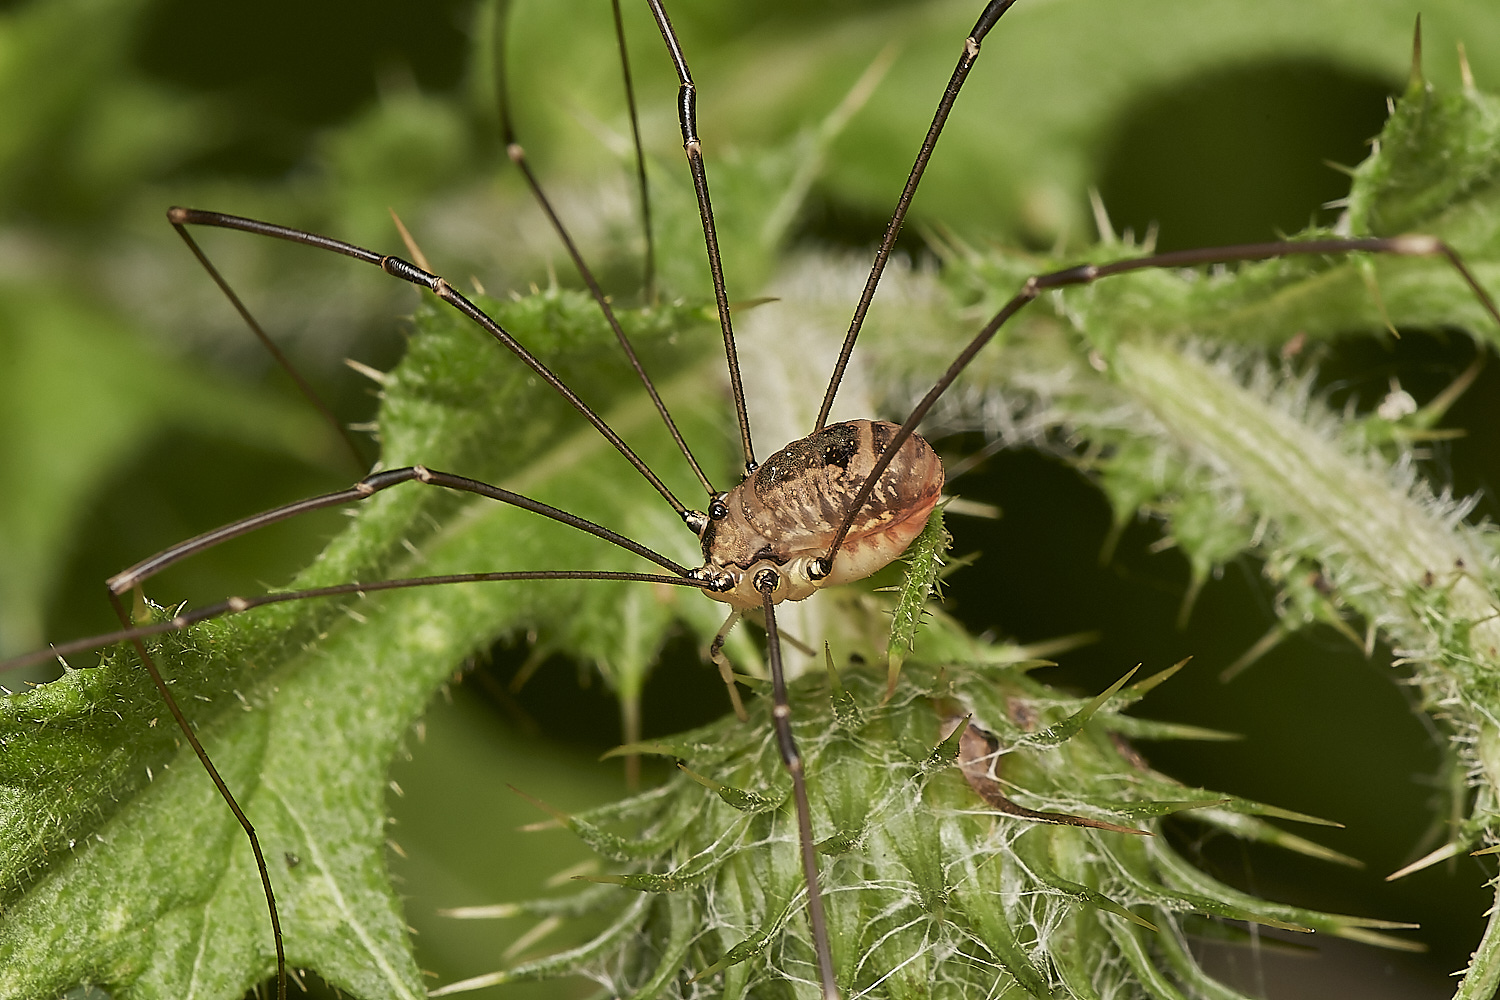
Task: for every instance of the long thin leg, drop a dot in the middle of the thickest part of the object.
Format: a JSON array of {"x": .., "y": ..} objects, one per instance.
[
  {"x": 1085, "y": 274},
  {"x": 224, "y": 792},
  {"x": 766, "y": 582},
  {"x": 364, "y": 489},
  {"x": 237, "y": 605},
  {"x": 992, "y": 13},
  {"x": 687, "y": 117},
  {"x": 270, "y": 345},
  {"x": 406, "y": 271},
  {"x": 648, "y": 278},
  {"x": 517, "y": 154}
]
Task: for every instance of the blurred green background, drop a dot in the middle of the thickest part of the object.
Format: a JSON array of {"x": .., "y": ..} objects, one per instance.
[{"x": 135, "y": 411}]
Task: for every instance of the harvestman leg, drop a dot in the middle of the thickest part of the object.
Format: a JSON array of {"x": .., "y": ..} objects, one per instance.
[
  {"x": 648, "y": 269},
  {"x": 276, "y": 353},
  {"x": 1086, "y": 274},
  {"x": 439, "y": 286},
  {"x": 992, "y": 13},
  {"x": 517, "y": 154},
  {"x": 687, "y": 116}
]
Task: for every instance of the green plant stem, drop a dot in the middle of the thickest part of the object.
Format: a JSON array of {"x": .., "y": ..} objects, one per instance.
[{"x": 1401, "y": 558}]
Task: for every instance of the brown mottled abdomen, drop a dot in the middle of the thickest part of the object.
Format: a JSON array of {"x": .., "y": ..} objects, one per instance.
[{"x": 785, "y": 515}]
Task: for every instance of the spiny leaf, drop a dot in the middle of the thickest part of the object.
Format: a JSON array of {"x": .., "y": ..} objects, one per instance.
[{"x": 924, "y": 557}]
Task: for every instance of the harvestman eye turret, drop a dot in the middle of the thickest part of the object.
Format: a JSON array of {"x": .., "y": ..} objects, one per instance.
[{"x": 830, "y": 508}]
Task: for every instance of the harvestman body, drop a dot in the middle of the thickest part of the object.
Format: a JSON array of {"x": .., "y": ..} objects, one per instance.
[
  {"x": 784, "y": 516},
  {"x": 830, "y": 508}
]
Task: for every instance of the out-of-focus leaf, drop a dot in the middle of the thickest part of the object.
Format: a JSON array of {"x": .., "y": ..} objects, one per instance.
[{"x": 80, "y": 394}]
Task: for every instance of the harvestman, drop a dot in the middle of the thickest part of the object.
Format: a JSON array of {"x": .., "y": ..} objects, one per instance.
[{"x": 830, "y": 508}]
